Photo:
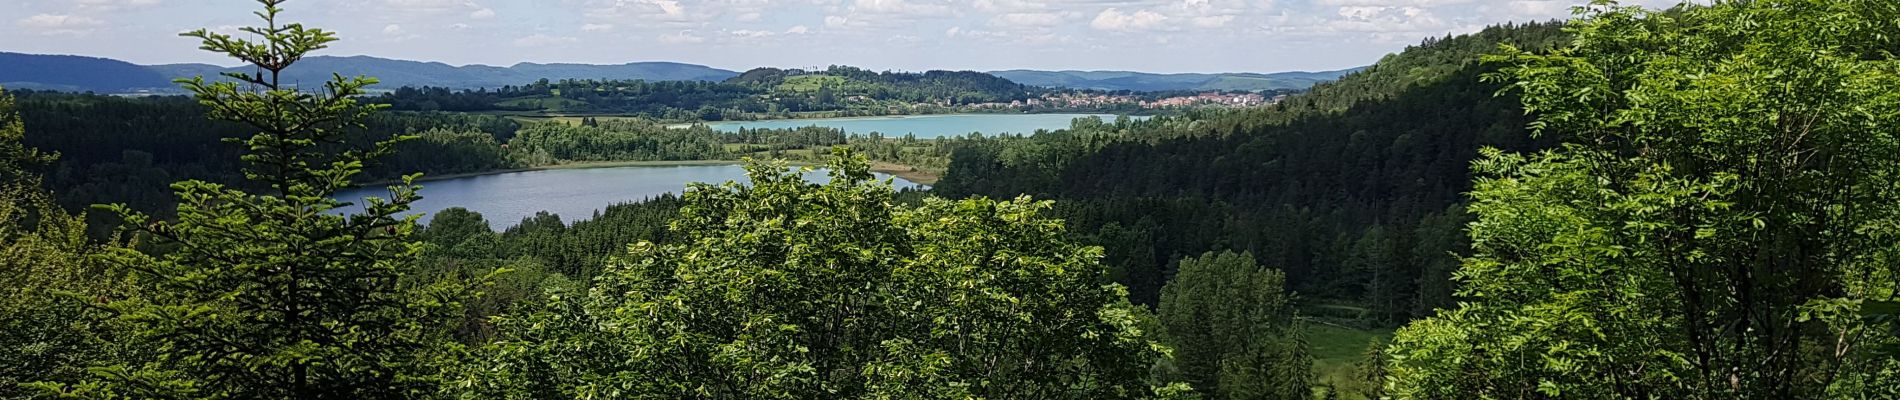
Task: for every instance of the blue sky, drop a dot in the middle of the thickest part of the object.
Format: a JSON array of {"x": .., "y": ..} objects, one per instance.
[{"x": 1143, "y": 35}]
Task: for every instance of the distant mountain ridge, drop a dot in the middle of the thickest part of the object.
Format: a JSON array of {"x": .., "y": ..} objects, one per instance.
[
  {"x": 1142, "y": 81},
  {"x": 74, "y": 73},
  {"x": 79, "y": 73},
  {"x": 104, "y": 75}
]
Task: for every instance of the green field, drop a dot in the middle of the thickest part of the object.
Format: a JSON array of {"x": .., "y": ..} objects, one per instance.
[
  {"x": 810, "y": 83},
  {"x": 1337, "y": 351}
]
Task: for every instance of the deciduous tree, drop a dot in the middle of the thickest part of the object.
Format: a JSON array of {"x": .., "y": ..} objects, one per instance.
[
  {"x": 784, "y": 289},
  {"x": 1723, "y": 226}
]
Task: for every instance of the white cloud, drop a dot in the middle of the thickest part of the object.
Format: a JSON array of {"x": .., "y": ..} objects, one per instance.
[
  {"x": 597, "y": 28},
  {"x": 906, "y": 7},
  {"x": 683, "y": 37},
  {"x": 797, "y": 30},
  {"x": 1035, "y": 19},
  {"x": 1113, "y": 19},
  {"x": 60, "y": 24},
  {"x": 670, "y": 12},
  {"x": 747, "y": 17},
  {"x": 669, "y": 8},
  {"x": 1387, "y": 19},
  {"x": 431, "y": 7},
  {"x": 542, "y": 39},
  {"x": 836, "y": 21},
  {"x": 484, "y": 13},
  {"x": 1044, "y": 39},
  {"x": 890, "y": 14},
  {"x": 396, "y": 33},
  {"x": 1212, "y": 21},
  {"x": 751, "y": 34},
  {"x": 56, "y": 21},
  {"x": 1007, "y": 37},
  {"x": 1394, "y": 3},
  {"x": 111, "y": 5}
]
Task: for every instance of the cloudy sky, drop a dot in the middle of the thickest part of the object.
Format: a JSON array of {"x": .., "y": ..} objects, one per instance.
[{"x": 1145, "y": 35}]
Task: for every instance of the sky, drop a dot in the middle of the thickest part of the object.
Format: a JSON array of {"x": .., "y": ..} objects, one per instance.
[{"x": 907, "y": 35}]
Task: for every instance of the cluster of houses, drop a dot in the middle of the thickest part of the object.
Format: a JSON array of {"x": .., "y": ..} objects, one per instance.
[
  {"x": 1085, "y": 100},
  {"x": 1213, "y": 98}
]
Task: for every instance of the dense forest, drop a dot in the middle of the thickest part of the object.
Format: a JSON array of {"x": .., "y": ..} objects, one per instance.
[
  {"x": 1355, "y": 189},
  {"x": 1698, "y": 202}
]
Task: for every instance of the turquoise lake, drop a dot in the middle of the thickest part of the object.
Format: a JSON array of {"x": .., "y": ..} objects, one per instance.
[
  {"x": 574, "y": 194},
  {"x": 924, "y": 126}
]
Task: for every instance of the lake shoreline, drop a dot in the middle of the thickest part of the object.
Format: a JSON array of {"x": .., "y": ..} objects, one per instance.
[
  {"x": 678, "y": 124},
  {"x": 684, "y": 125},
  {"x": 572, "y": 165},
  {"x": 793, "y": 122},
  {"x": 908, "y": 173}
]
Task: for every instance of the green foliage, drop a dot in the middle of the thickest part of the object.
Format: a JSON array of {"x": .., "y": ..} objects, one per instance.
[
  {"x": 786, "y": 289},
  {"x": 46, "y": 275},
  {"x": 1372, "y": 371},
  {"x": 548, "y": 143},
  {"x": 448, "y": 151},
  {"x": 270, "y": 295},
  {"x": 1723, "y": 227},
  {"x": 1354, "y": 193},
  {"x": 16, "y": 158},
  {"x": 1232, "y": 326},
  {"x": 579, "y": 250}
]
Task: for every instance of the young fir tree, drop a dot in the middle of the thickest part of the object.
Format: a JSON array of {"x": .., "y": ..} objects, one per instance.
[{"x": 268, "y": 292}]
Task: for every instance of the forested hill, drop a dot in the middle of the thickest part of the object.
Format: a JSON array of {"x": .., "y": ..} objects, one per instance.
[
  {"x": 75, "y": 73},
  {"x": 1353, "y": 189},
  {"x": 764, "y": 91},
  {"x": 959, "y": 87},
  {"x": 1141, "y": 81}
]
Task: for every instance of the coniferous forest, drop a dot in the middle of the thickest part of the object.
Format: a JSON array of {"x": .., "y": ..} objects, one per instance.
[{"x": 1700, "y": 202}]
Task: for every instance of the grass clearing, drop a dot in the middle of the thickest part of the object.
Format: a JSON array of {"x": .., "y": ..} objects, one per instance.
[{"x": 1337, "y": 351}]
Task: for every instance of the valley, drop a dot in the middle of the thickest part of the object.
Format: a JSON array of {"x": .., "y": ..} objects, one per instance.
[{"x": 1640, "y": 201}]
